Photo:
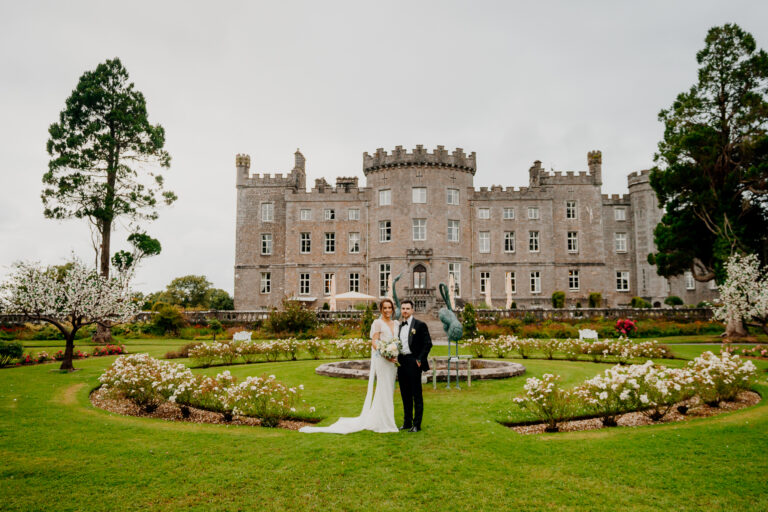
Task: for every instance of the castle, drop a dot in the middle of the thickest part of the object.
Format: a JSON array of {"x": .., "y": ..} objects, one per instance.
[{"x": 420, "y": 215}]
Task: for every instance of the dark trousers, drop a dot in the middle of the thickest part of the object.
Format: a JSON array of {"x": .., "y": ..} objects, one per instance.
[{"x": 409, "y": 376}]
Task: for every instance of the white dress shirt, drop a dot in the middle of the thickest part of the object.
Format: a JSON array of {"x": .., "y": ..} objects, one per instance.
[{"x": 404, "y": 335}]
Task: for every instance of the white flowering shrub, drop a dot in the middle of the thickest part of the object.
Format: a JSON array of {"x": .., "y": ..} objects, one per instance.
[
  {"x": 717, "y": 378},
  {"x": 264, "y": 398},
  {"x": 479, "y": 346},
  {"x": 661, "y": 388},
  {"x": 547, "y": 399},
  {"x": 614, "y": 392},
  {"x": 597, "y": 349},
  {"x": 524, "y": 347},
  {"x": 144, "y": 380},
  {"x": 549, "y": 347},
  {"x": 571, "y": 348},
  {"x": 315, "y": 347}
]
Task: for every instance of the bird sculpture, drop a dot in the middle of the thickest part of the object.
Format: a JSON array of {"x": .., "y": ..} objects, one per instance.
[
  {"x": 451, "y": 324},
  {"x": 394, "y": 296}
]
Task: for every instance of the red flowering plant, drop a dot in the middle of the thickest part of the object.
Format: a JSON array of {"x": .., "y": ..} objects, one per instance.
[
  {"x": 626, "y": 327},
  {"x": 77, "y": 354},
  {"x": 109, "y": 350}
]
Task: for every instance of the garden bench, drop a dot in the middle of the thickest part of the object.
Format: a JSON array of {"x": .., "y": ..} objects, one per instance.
[
  {"x": 242, "y": 336},
  {"x": 587, "y": 334}
]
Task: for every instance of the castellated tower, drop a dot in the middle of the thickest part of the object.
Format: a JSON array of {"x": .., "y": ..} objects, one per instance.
[
  {"x": 420, "y": 218},
  {"x": 260, "y": 226}
]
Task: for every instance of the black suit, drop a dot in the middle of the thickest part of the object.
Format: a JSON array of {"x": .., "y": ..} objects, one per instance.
[{"x": 409, "y": 372}]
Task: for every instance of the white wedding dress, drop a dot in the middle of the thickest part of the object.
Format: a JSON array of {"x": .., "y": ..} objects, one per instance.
[{"x": 378, "y": 412}]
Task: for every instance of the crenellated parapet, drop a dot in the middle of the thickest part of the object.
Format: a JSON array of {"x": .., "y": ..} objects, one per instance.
[
  {"x": 294, "y": 179},
  {"x": 615, "y": 199},
  {"x": 639, "y": 177},
  {"x": 420, "y": 157}
]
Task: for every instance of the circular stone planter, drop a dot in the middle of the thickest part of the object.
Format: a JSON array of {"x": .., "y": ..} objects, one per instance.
[{"x": 481, "y": 369}]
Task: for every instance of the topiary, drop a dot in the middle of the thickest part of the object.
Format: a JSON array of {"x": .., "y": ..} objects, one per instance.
[
  {"x": 673, "y": 300},
  {"x": 639, "y": 302},
  {"x": 367, "y": 322},
  {"x": 558, "y": 300},
  {"x": 595, "y": 299},
  {"x": 9, "y": 352}
]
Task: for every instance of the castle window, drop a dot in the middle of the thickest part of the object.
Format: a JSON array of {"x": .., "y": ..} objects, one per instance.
[
  {"x": 620, "y": 214},
  {"x": 454, "y": 269},
  {"x": 484, "y": 241},
  {"x": 306, "y": 243},
  {"x": 573, "y": 280},
  {"x": 419, "y": 229},
  {"x": 484, "y": 213},
  {"x": 353, "y": 214},
  {"x": 304, "y": 283},
  {"x": 330, "y": 243},
  {"x": 533, "y": 212},
  {"x": 570, "y": 209},
  {"x": 533, "y": 241},
  {"x": 354, "y": 243},
  {"x": 384, "y": 273},
  {"x": 266, "y": 243},
  {"x": 354, "y": 281},
  {"x": 420, "y": 277},
  {"x": 267, "y": 212},
  {"x": 622, "y": 281},
  {"x": 306, "y": 214},
  {"x": 509, "y": 241},
  {"x": 536, "y": 282},
  {"x": 509, "y": 213},
  {"x": 620, "y": 242},
  {"x": 419, "y": 194},
  {"x": 452, "y": 196},
  {"x": 385, "y": 230},
  {"x": 485, "y": 277},
  {"x": 453, "y": 231},
  {"x": 690, "y": 283},
  {"x": 573, "y": 241},
  {"x": 512, "y": 280},
  {"x": 266, "y": 282},
  {"x": 327, "y": 281},
  {"x": 385, "y": 197},
  {"x": 329, "y": 214}
]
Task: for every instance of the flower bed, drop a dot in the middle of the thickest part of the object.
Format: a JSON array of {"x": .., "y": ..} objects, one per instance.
[
  {"x": 758, "y": 351},
  {"x": 620, "y": 350},
  {"x": 250, "y": 351},
  {"x": 648, "y": 388},
  {"x": 45, "y": 357},
  {"x": 149, "y": 383}
]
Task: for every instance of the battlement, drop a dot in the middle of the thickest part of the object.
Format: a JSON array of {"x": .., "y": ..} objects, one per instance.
[
  {"x": 638, "y": 177},
  {"x": 615, "y": 198},
  {"x": 294, "y": 179},
  {"x": 420, "y": 156}
]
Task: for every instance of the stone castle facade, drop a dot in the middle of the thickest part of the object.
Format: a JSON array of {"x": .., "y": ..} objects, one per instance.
[{"x": 419, "y": 214}]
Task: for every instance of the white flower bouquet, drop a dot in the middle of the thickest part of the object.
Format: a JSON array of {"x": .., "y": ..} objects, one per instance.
[{"x": 389, "y": 348}]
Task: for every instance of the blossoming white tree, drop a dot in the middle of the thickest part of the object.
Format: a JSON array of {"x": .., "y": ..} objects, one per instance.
[
  {"x": 76, "y": 298},
  {"x": 744, "y": 295}
]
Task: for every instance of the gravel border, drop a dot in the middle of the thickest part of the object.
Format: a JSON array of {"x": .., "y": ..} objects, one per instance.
[
  {"x": 170, "y": 412},
  {"x": 635, "y": 419}
]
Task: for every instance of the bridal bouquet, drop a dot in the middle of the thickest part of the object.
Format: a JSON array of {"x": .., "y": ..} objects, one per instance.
[{"x": 389, "y": 348}]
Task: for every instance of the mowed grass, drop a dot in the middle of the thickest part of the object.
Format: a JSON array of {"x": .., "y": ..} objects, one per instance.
[{"x": 60, "y": 453}]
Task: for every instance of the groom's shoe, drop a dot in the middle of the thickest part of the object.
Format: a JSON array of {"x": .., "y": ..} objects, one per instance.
[
  {"x": 415, "y": 429},
  {"x": 405, "y": 428}
]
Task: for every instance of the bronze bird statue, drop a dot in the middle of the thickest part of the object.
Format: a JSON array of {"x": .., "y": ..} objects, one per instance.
[
  {"x": 394, "y": 296},
  {"x": 451, "y": 324}
]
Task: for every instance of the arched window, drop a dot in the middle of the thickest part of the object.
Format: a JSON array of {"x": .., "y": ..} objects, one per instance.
[{"x": 419, "y": 276}]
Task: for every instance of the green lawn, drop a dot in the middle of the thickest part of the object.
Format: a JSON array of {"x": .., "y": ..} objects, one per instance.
[{"x": 60, "y": 453}]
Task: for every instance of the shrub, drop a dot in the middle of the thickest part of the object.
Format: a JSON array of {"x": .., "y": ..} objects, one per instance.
[
  {"x": 143, "y": 380},
  {"x": 639, "y": 303},
  {"x": 558, "y": 300},
  {"x": 109, "y": 350},
  {"x": 478, "y": 346},
  {"x": 9, "y": 351},
  {"x": 469, "y": 321},
  {"x": 168, "y": 319},
  {"x": 264, "y": 398},
  {"x": 613, "y": 393},
  {"x": 549, "y": 347},
  {"x": 718, "y": 378},
  {"x": 673, "y": 300},
  {"x": 625, "y": 326},
  {"x": 547, "y": 400},
  {"x": 293, "y": 318},
  {"x": 703, "y": 304},
  {"x": 490, "y": 331},
  {"x": 513, "y": 325},
  {"x": 183, "y": 352},
  {"x": 595, "y": 299},
  {"x": 315, "y": 347}
]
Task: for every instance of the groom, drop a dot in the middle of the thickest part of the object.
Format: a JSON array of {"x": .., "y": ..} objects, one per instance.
[{"x": 414, "y": 335}]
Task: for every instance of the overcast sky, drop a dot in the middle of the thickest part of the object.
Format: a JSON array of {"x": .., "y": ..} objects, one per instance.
[{"x": 512, "y": 81}]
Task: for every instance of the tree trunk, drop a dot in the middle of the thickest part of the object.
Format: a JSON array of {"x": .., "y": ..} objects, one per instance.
[
  {"x": 735, "y": 329},
  {"x": 103, "y": 333},
  {"x": 66, "y": 364}
]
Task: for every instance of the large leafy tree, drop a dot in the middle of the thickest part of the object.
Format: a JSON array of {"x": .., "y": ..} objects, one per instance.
[
  {"x": 711, "y": 176},
  {"x": 104, "y": 152}
]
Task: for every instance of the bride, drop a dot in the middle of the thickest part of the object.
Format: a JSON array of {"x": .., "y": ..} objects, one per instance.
[{"x": 378, "y": 412}]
